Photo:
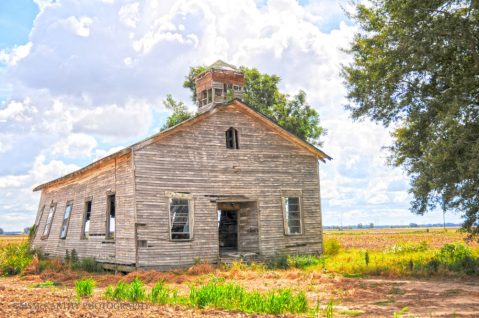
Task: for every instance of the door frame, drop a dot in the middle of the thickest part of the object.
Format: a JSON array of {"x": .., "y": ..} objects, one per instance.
[{"x": 232, "y": 207}]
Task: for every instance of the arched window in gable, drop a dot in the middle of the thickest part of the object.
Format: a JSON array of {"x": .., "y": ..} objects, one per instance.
[{"x": 232, "y": 138}]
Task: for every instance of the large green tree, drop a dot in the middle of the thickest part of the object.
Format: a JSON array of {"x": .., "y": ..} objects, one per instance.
[
  {"x": 416, "y": 69},
  {"x": 261, "y": 92}
]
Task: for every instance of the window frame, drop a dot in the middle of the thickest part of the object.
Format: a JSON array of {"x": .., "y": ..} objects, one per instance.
[
  {"x": 234, "y": 138},
  {"x": 82, "y": 235},
  {"x": 67, "y": 221},
  {"x": 108, "y": 235},
  {"x": 292, "y": 194},
  {"x": 49, "y": 225},
  {"x": 181, "y": 196},
  {"x": 37, "y": 222}
]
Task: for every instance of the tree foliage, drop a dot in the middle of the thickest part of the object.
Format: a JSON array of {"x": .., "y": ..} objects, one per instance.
[
  {"x": 180, "y": 112},
  {"x": 190, "y": 80},
  {"x": 416, "y": 68},
  {"x": 261, "y": 92}
]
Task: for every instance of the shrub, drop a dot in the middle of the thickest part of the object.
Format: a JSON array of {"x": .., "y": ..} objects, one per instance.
[
  {"x": 432, "y": 265},
  {"x": 31, "y": 232},
  {"x": 84, "y": 287},
  {"x": 67, "y": 257},
  {"x": 14, "y": 258},
  {"x": 331, "y": 247},
  {"x": 88, "y": 264},
  {"x": 456, "y": 257},
  {"x": 74, "y": 256},
  {"x": 304, "y": 261},
  {"x": 279, "y": 262}
]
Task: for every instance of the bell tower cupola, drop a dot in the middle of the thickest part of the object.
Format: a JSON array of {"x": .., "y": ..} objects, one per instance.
[{"x": 218, "y": 84}]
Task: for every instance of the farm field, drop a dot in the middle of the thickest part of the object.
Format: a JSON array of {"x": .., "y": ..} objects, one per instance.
[
  {"x": 12, "y": 239},
  {"x": 378, "y": 289},
  {"x": 378, "y": 239}
]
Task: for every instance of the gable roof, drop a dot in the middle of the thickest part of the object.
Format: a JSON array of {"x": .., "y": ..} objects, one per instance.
[
  {"x": 221, "y": 65},
  {"x": 189, "y": 122}
]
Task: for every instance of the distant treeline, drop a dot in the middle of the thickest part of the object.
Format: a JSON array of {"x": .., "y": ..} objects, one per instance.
[{"x": 371, "y": 225}]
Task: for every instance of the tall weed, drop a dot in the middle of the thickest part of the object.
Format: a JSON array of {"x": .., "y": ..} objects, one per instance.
[
  {"x": 135, "y": 291},
  {"x": 331, "y": 247},
  {"x": 84, "y": 287},
  {"x": 161, "y": 294},
  {"x": 230, "y": 296},
  {"x": 14, "y": 258}
]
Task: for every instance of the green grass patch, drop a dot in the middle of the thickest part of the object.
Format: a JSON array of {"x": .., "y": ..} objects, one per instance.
[
  {"x": 45, "y": 284},
  {"x": 385, "y": 302},
  {"x": 356, "y": 275},
  {"x": 219, "y": 294},
  {"x": 214, "y": 293},
  {"x": 304, "y": 261},
  {"x": 84, "y": 287},
  {"x": 352, "y": 312}
]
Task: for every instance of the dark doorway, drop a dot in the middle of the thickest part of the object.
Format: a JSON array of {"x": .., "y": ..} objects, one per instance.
[{"x": 228, "y": 230}]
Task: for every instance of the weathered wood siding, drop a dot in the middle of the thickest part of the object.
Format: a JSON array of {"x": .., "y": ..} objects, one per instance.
[
  {"x": 195, "y": 160},
  {"x": 115, "y": 176},
  {"x": 248, "y": 228}
]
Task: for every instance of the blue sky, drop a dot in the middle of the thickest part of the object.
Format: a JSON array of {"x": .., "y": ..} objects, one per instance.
[{"x": 81, "y": 80}]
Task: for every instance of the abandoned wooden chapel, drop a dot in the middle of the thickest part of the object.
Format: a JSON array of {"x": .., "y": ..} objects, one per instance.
[{"x": 227, "y": 183}]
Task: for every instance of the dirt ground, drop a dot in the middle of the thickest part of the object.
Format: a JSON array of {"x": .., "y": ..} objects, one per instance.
[{"x": 373, "y": 297}]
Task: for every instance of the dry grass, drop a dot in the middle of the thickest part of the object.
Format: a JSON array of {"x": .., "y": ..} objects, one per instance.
[{"x": 201, "y": 268}]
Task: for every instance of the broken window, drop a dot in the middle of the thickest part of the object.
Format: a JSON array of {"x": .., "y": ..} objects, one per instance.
[
  {"x": 86, "y": 219},
  {"x": 111, "y": 212},
  {"x": 210, "y": 95},
  {"x": 292, "y": 215},
  {"x": 66, "y": 220},
  {"x": 180, "y": 219},
  {"x": 48, "y": 223},
  {"x": 232, "y": 138},
  {"x": 37, "y": 223}
]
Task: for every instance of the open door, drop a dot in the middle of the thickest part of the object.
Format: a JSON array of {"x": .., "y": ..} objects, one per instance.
[{"x": 228, "y": 230}]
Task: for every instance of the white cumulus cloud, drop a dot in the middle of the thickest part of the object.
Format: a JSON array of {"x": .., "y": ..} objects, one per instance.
[{"x": 92, "y": 76}]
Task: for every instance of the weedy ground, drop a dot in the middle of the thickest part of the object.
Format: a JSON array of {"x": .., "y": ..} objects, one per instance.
[{"x": 405, "y": 273}]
